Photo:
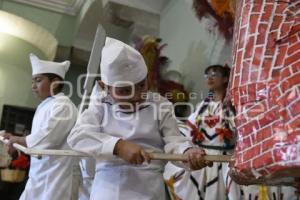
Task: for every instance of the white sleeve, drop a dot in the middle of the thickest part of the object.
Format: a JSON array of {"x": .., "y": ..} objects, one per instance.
[
  {"x": 86, "y": 136},
  {"x": 56, "y": 127},
  {"x": 174, "y": 141}
]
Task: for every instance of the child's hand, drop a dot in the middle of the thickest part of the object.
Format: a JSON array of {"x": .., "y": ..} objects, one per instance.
[
  {"x": 242, "y": 178},
  {"x": 195, "y": 159},
  {"x": 11, "y": 139},
  {"x": 130, "y": 152}
]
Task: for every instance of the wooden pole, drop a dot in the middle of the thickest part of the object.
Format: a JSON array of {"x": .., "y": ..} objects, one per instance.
[
  {"x": 180, "y": 157},
  {"x": 154, "y": 156}
]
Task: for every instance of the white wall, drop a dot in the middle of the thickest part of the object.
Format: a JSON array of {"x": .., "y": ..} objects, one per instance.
[
  {"x": 191, "y": 47},
  {"x": 15, "y": 72}
]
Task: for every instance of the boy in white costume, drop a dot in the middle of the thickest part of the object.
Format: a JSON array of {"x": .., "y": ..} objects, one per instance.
[
  {"x": 128, "y": 121},
  {"x": 50, "y": 178}
]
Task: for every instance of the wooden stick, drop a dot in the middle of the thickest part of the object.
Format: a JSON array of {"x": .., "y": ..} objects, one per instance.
[
  {"x": 17, "y": 146},
  {"x": 180, "y": 157},
  {"x": 218, "y": 158},
  {"x": 48, "y": 152},
  {"x": 154, "y": 156}
]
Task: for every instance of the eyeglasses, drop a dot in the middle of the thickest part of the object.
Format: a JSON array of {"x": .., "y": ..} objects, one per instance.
[{"x": 212, "y": 75}]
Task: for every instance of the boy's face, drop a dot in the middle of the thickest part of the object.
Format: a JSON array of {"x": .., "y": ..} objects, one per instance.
[
  {"x": 132, "y": 95},
  {"x": 41, "y": 86},
  {"x": 215, "y": 80}
]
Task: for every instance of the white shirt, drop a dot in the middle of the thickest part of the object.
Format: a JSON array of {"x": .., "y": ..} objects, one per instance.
[
  {"x": 51, "y": 176},
  {"x": 153, "y": 127}
]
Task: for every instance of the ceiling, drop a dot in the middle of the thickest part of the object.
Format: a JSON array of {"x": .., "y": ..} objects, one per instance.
[
  {"x": 123, "y": 19},
  {"x": 69, "y": 7},
  {"x": 126, "y": 20},
  {"x": 72, "y": 7}
]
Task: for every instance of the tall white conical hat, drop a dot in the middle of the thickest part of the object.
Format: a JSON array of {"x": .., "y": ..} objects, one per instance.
[{"x": 121, "y": 64}]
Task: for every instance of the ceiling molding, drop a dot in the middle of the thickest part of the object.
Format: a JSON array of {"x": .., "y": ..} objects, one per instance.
[
  {"x": 68, "y": 7},
  {"x": 139, "y": 21}
]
